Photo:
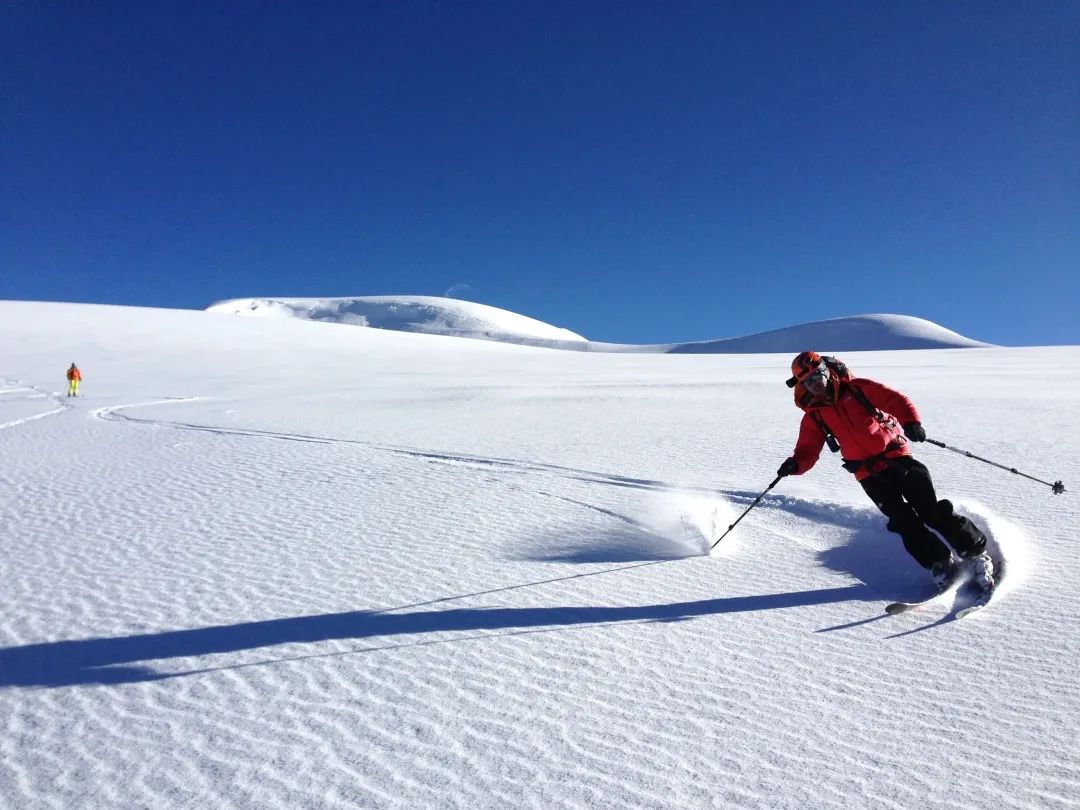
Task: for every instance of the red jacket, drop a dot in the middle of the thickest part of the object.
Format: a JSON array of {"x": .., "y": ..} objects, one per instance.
[{"x": 860, "y": 434}]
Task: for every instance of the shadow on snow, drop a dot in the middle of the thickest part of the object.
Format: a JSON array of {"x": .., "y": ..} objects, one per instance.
[
  {"x": 877, "y": 557},
  {"x": 613, "y": 546},
  {"x": 112, "y": 660}
]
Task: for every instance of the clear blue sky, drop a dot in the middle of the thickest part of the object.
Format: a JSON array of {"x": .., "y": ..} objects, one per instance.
[{"x": 637, "y": 172}]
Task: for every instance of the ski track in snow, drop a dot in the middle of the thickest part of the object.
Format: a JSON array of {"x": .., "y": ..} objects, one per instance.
[
  {"x": 213, "y": 615},
  {"x": 16, "y": 396}
]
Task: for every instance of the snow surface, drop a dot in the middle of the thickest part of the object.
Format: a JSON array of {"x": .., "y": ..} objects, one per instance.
[
  {"x": 281, "y": 564},
  {"x": 448, "y": 316}
]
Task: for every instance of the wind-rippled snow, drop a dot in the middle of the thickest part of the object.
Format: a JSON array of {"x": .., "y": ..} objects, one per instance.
[{"x": 274, "y": 563}]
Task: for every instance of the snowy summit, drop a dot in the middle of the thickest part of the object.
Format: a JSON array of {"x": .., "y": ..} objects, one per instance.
[{"x": 405, "y": 313}]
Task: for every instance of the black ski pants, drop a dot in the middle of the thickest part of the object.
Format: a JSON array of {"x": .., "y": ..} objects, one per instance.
[{"x": 904, "y": 492}]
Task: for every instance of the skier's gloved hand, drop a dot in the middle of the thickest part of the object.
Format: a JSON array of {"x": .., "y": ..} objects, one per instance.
[
  {"x": 915, "y": 431},
  {"x": 789, "y": 467}
]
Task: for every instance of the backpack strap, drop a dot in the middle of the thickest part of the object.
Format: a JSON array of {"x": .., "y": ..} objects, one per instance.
[
  {"x": 877, "y": 413},
  {"x": 830, "y": 439},
  {"x": 834, "y": 445},
  {"x": 864, "y": 401}
]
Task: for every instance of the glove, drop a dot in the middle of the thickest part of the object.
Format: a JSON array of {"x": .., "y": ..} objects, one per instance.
[
  {"x": 789, "y": 467},
  {"x": 915, "y": 431}
]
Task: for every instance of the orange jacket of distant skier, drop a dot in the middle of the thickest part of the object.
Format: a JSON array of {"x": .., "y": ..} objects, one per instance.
[{"x": 74, "y": 374}]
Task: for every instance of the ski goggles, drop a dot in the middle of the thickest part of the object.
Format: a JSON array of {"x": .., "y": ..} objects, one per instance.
[{"x": 817, "y": 381}]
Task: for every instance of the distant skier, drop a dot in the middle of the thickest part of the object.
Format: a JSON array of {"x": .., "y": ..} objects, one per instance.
[
  {"x": 74, "y": 377},
  {"x": 863, "y": 418}
]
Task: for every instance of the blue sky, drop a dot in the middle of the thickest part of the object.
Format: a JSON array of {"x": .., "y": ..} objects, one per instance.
[{"x": 636, "y": 172}]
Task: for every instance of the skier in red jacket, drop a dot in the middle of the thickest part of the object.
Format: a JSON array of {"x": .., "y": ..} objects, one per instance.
[{"x": 872, "y": 424}]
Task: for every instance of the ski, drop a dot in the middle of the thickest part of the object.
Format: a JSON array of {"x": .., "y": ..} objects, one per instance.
[
  {"x": 903, "y": 607},
  {"x": 980, "y": 598},
  {"x": 893, "y": 608},
  {"x": 980, "y": 601}
]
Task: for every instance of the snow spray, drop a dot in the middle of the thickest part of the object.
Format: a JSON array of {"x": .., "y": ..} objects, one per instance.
[{"x": 691, "y": 519}]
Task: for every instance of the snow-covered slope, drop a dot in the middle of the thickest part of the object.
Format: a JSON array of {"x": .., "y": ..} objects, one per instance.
[
  {"x": 447, "y": 316},
  {"x": 431, "y": 315},
  {"x": 271, "y": 563},
  {"x": 862, "y": 333}
]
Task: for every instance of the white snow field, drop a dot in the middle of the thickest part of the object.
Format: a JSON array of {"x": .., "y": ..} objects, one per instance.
[{"x": 271, "y": 563}]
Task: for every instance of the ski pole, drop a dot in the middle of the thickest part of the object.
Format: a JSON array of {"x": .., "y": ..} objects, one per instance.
[
  {"x": 1057, "y": 486},
  {"x": 751, "y": 506}
]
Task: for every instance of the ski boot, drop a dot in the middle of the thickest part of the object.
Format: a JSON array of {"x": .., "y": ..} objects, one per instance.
[
  {"x": 944, "y": 573},
  {"x": 982, "y": 571}
]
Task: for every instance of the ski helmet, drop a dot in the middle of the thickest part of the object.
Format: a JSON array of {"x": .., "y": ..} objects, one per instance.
[{"x": 805, "y": 363}]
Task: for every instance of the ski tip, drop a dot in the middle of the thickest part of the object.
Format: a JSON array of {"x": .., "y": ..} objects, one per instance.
[{"x": 960, "y": 614}]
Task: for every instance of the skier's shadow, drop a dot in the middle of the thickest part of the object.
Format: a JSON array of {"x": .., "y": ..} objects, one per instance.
[
  {"x": 617, "y": 545},
  {"x": 877, "y": 557},
  {"x": 118, "y": 660}
]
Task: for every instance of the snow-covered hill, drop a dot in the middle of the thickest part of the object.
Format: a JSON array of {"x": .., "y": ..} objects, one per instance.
[
  {"x": 448, "y": 316},
  {"x": 271, "y": 563},
  {"x": 430, "y": 315},
  {"x": 863, "y": 333}
]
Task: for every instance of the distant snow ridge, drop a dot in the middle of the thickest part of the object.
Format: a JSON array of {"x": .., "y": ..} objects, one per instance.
[
  {"x": 428, "y": 314},
  {"x": 450, "y": 316},
  {"x": 858, "y": 333}
]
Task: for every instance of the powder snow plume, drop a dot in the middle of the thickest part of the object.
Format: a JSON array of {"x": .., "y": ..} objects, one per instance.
[{"x": 692, "y": 519}]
